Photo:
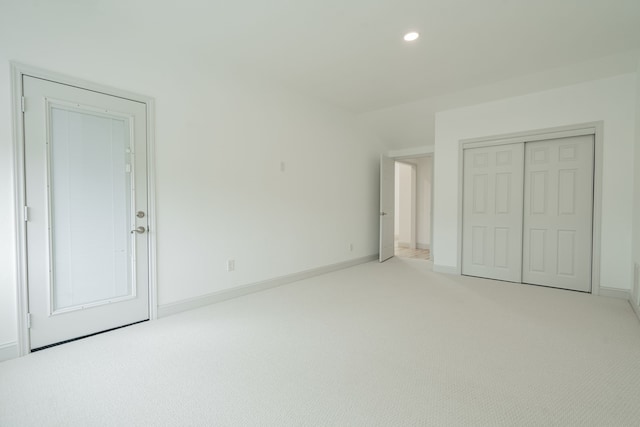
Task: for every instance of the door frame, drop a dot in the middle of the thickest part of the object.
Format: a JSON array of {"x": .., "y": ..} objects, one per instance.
[
  {"x": 413, "y": 208},
  {"x": 415, "y": 153},
  {"x": 591, "y": 128},
  {"x": 18, "y": 71}
]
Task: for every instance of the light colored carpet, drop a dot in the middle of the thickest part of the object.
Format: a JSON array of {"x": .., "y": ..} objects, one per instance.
[{"x": 388, "y": 344}]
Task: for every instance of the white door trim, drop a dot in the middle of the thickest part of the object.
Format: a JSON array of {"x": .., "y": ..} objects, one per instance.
[
  {"x": 416, "y": 153},
  {"x": 17, "y": 72},
  {"x": 411, "y": 153},
  {"x": 591, "y": 128},
  {"x": 414, "y": 206}
]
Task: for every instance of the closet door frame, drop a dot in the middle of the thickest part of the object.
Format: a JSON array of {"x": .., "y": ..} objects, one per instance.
[{"x": 591, "y": 128}]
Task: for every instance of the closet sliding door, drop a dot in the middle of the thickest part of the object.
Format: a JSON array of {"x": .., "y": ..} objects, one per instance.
[
  {"x": 558, "y": 213},
  {"x": 492, "y": 212},
  {"x": 528, "y": 212}
]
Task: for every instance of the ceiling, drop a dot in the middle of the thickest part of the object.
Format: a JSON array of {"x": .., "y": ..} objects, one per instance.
[{"x": 350, "y": 52}]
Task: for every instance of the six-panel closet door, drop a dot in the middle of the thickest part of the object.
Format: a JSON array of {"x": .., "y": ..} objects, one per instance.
[
  {"x": 528, "y": 212},
  {"x": 492, "y": 212},
  {"x": 558, "y": 213}
]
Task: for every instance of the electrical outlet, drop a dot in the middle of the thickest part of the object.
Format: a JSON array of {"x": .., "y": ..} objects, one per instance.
[{"x": 231, "y": 265}]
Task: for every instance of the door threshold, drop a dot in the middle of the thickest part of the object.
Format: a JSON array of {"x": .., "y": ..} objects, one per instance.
[{"x": 33, "y": 350}]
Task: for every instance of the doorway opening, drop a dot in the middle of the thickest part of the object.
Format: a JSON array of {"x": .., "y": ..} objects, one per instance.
[{"x": 413, "y": 208}]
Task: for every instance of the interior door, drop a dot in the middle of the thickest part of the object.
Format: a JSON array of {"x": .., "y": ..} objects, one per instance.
[
  {"x": 492, "y": 212},
  {"x": 558, "y": 213},
  {"x": 387, "y": 207},
  {"x": 86, "y": 181}
]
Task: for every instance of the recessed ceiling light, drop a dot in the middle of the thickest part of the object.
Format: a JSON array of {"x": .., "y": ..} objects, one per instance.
[{"x": 409, "y": 37}]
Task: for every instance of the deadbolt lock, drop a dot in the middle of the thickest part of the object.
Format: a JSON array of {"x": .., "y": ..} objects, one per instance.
[{"x": 140, "y": 214}]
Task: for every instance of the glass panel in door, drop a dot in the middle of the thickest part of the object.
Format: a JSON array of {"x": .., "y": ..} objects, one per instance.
[{"x": 90, "y": 191}]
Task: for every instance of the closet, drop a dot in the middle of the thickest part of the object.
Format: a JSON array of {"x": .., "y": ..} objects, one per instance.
[{"x": 528, "y": 212}]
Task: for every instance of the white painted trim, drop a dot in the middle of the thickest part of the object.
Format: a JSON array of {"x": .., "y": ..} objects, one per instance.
[
  {"x": 407, "y": 153},
  {"x": 227, "y": 294},
  {"x": 532, "y": 135},
  {"x": 413, "y": 190},
  {"x": 634, "y": 297},
  {"x": 413, "y": 153},
  {"x": 433, "y": 189},
  {"x": 614, "y": 293},
  {"x": 446, "y": 269},
  {"x": 414, "y": 205},
  {"x": 17, "y": 72},
  {"x": 596, "y": 241},
  {"x": 8, "y": 351},
  {"x": 460, "y": 202},
  {"x": 592, "y": 128},
  {"x": 636, "y": 308},
  {"x": 151, "y": 208},
  {"x": 20, "y": 233}
]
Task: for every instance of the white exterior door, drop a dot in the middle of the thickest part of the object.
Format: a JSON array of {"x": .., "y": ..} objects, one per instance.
[
  {"x": 387, "y": 207},
  {"x": 492, "y": 212},
  {"x": 558, "y": 213},
  {"x": 86, "y": 181}
]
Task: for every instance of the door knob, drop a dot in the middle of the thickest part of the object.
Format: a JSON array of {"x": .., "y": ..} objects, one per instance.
[{"x": 139, "y": 230}]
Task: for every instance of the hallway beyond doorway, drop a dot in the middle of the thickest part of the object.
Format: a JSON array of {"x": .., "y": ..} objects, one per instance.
[{"x": 424, "y": 254}]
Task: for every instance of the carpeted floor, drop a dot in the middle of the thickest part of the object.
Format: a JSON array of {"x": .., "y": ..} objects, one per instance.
[{"x": 390, "y": 344}]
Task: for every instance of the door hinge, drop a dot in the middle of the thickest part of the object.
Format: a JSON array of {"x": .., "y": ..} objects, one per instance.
[
  {"x": 22, "y": 104},
  {"x": 26, "y": 213},
  {"x": 28, "y": 320}
]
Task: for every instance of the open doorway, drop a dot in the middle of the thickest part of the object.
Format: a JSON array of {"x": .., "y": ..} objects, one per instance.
[{"x": 413, "y": 207}]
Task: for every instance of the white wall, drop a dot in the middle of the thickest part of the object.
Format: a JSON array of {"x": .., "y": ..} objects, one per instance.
[
  {"x": 636, "y": 195},
  {"x": 403, "y": 214},
  {"x": 221, "y": 136},
  {"x": 7, "y": 252},
  {"x": 611, "y": 100},
  {"x": 424, "y": 167},
  {"x": 412, "y": 124}
]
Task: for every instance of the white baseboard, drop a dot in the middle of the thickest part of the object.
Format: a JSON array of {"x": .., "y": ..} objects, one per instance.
[
  {"x": 8, "y": 351},
  {"x": 614, "y": 293},
  {"x": 408, "y": 245},
  {"x": 212, "y": 298},
  {"x": 447, "y": 269}
]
